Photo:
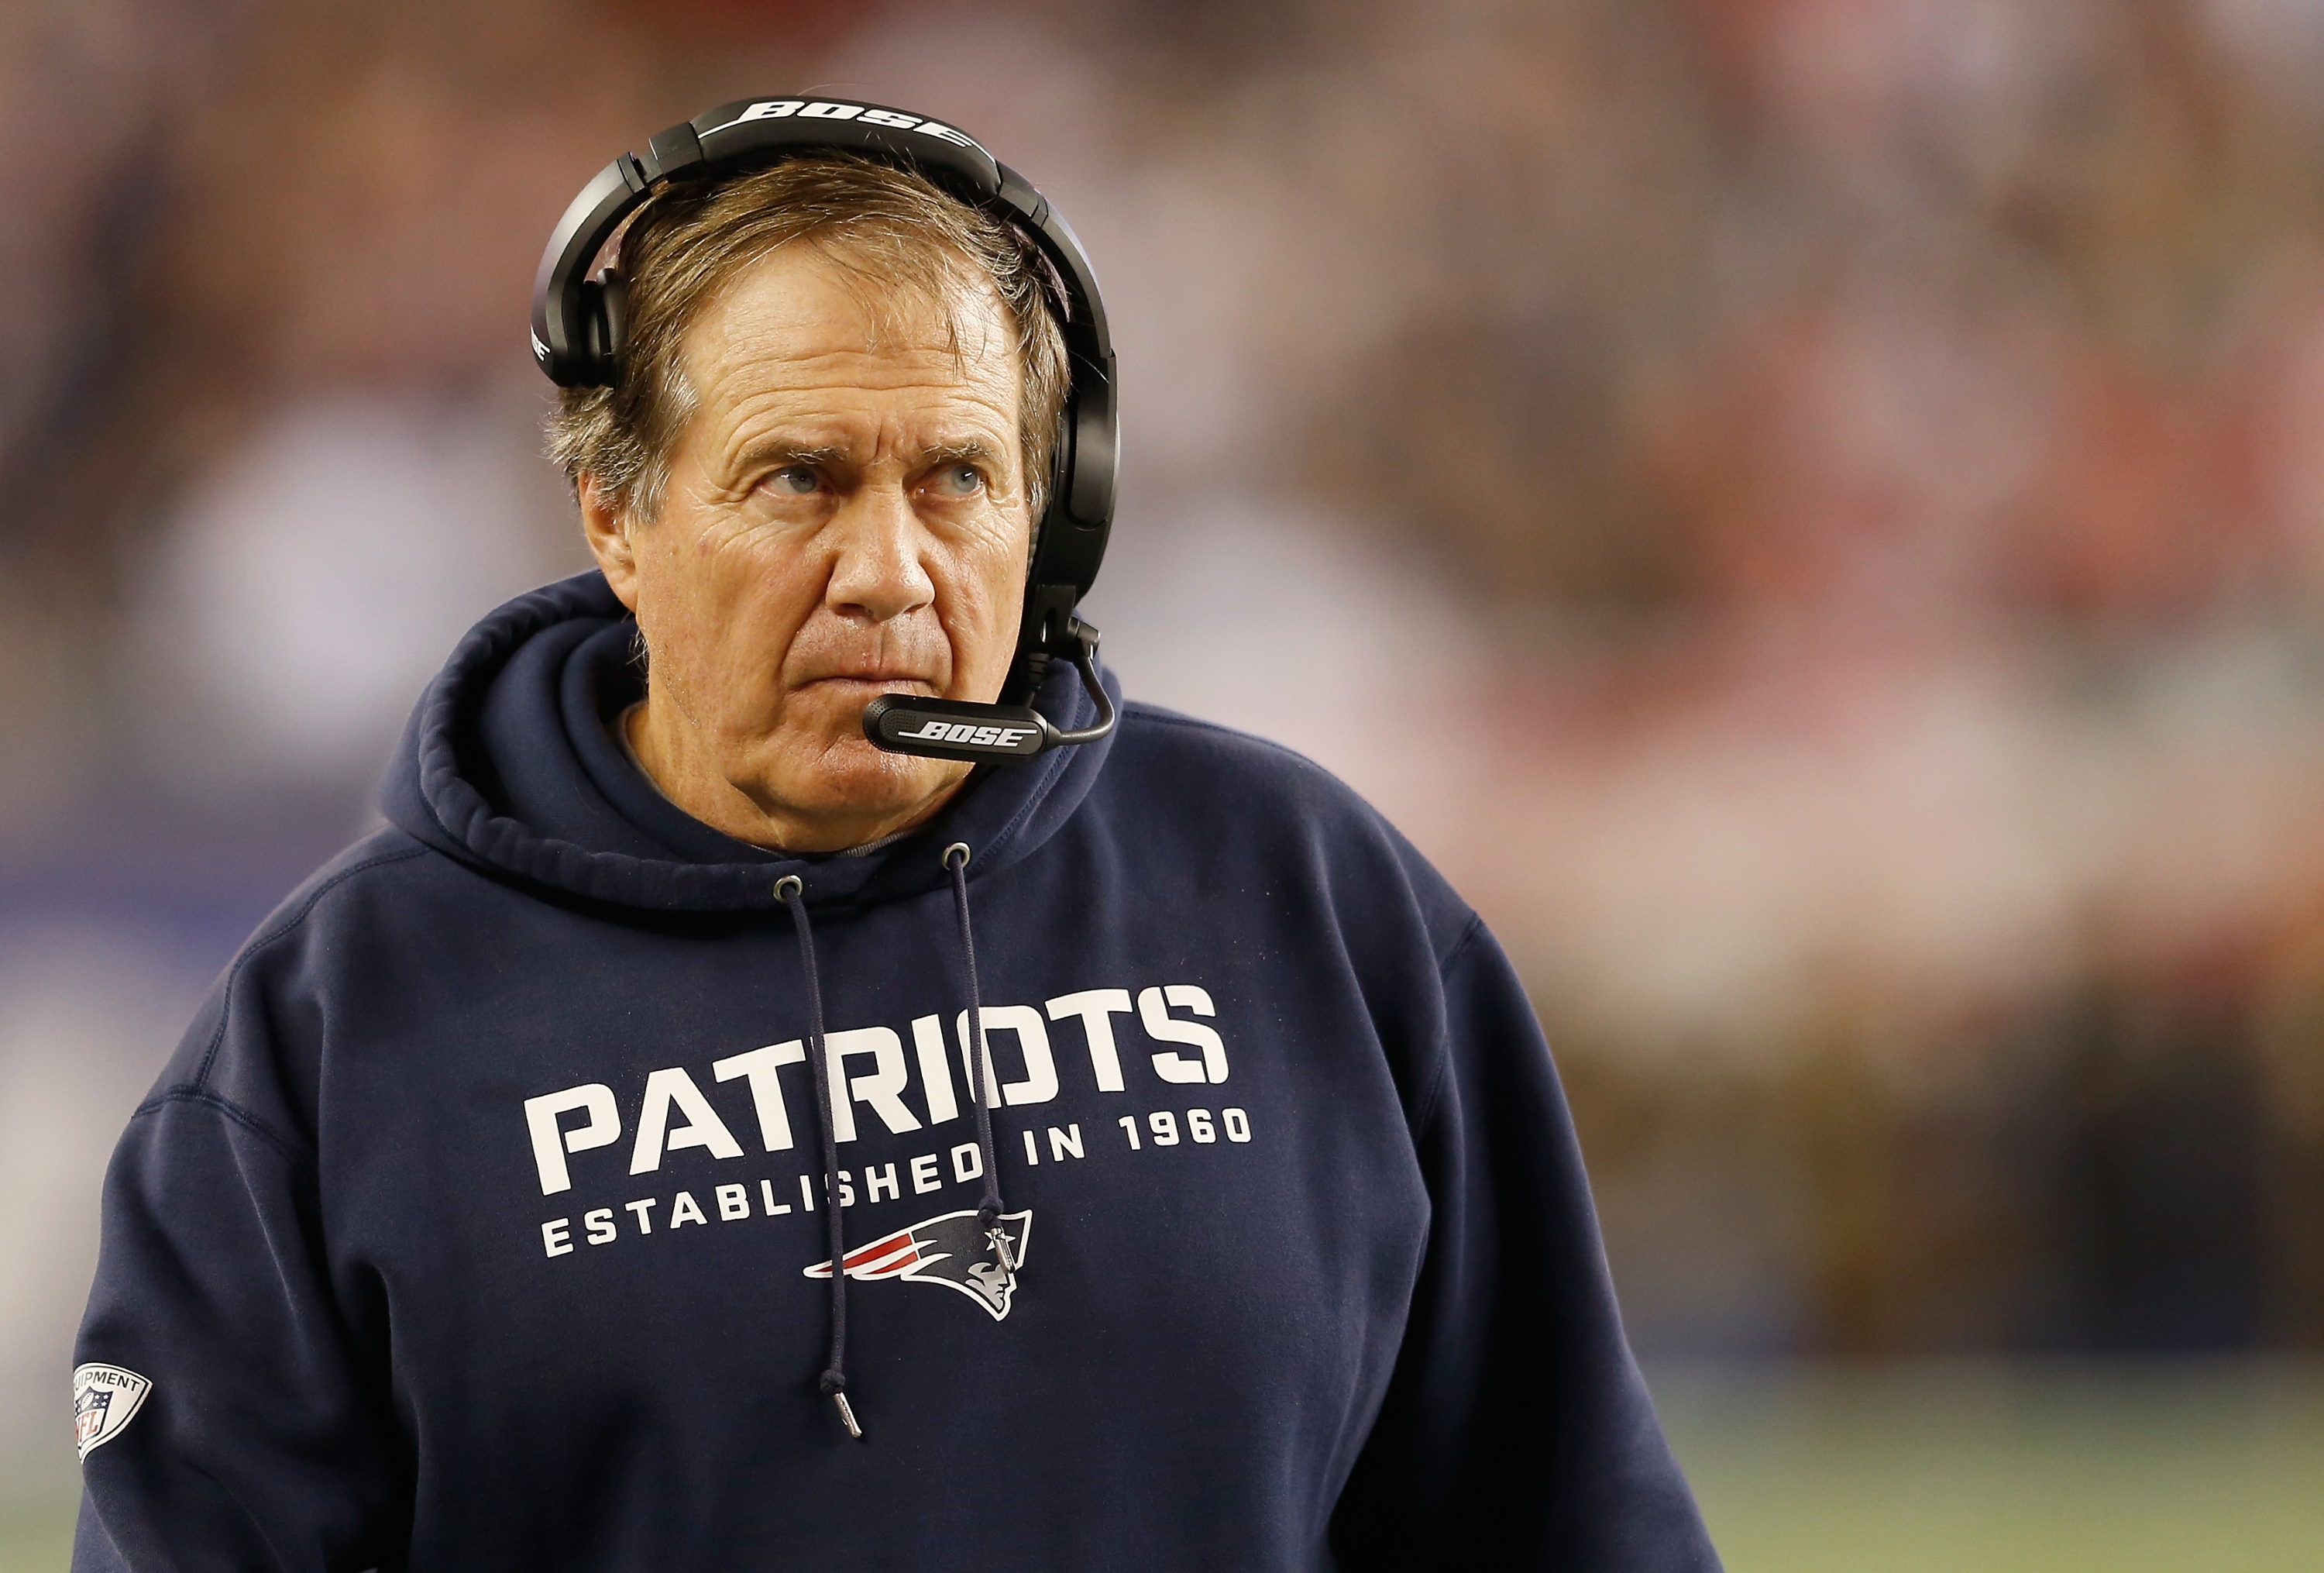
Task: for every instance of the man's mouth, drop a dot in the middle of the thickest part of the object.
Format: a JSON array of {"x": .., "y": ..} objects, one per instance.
[{"x": 883, "y": 682}]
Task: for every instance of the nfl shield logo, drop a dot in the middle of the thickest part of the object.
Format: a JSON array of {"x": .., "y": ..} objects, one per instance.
[
  {"x": 89, "y": 1405},
  {"x": 105, "y": 1398}
]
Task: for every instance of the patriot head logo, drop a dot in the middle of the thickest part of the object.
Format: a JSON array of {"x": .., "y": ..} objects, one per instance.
[{"x": 952, "y": 1249}]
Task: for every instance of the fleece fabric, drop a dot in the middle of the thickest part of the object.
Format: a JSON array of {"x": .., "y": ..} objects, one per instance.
[{"x": 479, "y": 1220}]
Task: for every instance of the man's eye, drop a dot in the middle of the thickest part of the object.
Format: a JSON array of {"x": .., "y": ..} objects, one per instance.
[
  {"x": 960, "y": 480},
  {"x": 795, "y": 481}
]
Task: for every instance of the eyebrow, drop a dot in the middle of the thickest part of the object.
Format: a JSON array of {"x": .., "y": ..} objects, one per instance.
[
  {"x": 972, "y": 449},
  {"x": 968, "y": 451},
  {"x": 785, "y": 453}
]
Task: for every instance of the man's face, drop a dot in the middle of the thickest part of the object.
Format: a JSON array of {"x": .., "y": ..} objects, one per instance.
[{"x": 845, "y": 517}]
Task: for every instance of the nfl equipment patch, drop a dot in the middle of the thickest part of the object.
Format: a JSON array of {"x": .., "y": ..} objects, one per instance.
[
  {"x": 105, "y": 1398},
  {"x": 952, "y": 1249}
]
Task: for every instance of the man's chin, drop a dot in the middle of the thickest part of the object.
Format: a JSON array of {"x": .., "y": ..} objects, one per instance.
[{"x": 850, "y": 782}]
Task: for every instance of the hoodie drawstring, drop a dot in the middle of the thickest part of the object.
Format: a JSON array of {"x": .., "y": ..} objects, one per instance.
[
  {"x": 791, "y": 891},
  {"x": 980, "y": 1058}
]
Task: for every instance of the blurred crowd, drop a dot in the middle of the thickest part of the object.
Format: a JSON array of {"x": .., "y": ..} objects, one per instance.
[{"x": 1810, "y": 511}]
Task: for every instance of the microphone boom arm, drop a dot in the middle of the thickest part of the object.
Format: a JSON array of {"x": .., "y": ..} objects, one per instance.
[{"x": 962, "y": 729}]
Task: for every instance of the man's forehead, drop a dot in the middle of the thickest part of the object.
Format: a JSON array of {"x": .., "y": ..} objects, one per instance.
[
  {"x": 840, "y": 407},
  {"x": 826, "y": 367},
  {"x": 797, "y": 308},
  {"x": 851, "y": 423},
  {"x": 930, "y": 372}
]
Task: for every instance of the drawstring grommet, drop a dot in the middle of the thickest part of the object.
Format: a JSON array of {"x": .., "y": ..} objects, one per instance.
[
  {"x": 796, "y": 884},
  {"x": 965, "y": 853}
]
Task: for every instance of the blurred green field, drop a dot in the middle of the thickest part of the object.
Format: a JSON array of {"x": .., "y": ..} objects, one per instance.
[
  {"x": 1938, "y": 1468},
  {"x": 36, "y": 1538},
  {"x": 1980, "y": 1467}
]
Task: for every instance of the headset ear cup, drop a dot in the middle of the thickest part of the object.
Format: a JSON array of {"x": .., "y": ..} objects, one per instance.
[
  {"x": 612, "y": 322},
  {"x": 589, "y": 326},
  {"x": 604, "y": 308}
]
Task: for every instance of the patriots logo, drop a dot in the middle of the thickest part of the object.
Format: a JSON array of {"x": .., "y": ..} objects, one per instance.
[{"x": 952, "y": 1249}]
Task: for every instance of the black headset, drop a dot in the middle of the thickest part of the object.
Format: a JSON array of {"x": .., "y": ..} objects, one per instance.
[{"x": 579, "y": 320}]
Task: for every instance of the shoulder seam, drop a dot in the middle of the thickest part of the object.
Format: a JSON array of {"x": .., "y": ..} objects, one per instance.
[
  {"x": 1427, "y": 1110},
  {"x": 1468, "y": 937},
  {"x": 232, "y": 1111},
  {"x": 225, "y": 1007}
]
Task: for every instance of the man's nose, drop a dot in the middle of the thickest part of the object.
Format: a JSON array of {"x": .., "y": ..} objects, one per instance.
[{"x": 877, "y": 573}]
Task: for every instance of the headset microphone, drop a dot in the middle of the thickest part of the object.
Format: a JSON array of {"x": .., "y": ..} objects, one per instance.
[
  {"x": 579, "y": 323},
  {"x": 959, "y": 730}
]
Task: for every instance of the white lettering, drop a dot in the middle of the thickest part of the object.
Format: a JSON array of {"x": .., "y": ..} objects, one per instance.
[
  {"x": 890, "y": 118},
  {"x": 806, "y": 1194},
  {"x": 1061, "y": 1142},
  {"x": 1129, "y": 1123},
  {"x": 1162, "y": 1026},
  {"x": 768, "y": 109},
  {"x": 924, "y": 1178},
  {"x": 1199, "y": 1126},
  {"x": 935, "y": 1069},
  {"x": 969, "y": 734},
  {"x": 766, "y": 1089},
  {"x": 1032, "y": 1152},
  {"x": 703, "y": 1127},
  {"x": 874, "y": 1180},
  {"x": 767, "y": 1196},
  {"x": 819, "y": 110},
  {"x": 1040, "y": 1082},
  {"x": 878, "y": 1089},
  {"x": 734, "y": 1202},
  {"x": 1096, "y": 1007},
  {"x": 556, "y": 1237},
  {"x": 967, "y": 1163},
  {"x": 1165, "y": 1127},
  {"x": 600, "y": 1225},
  {"x": 645, "y": 1224},
  {"x": 943, "y": 133},
  {"x": 549, "y": 1148},
  {"x": 686, "y": 1210},
  {"x": 1238, "y": 1125}
]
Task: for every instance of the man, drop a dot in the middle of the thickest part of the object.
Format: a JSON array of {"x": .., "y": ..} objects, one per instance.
[{"x": 613, "y": 1163}]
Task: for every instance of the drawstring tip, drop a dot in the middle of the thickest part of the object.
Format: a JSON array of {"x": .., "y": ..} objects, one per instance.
[{"x": 847, "y": 1416}]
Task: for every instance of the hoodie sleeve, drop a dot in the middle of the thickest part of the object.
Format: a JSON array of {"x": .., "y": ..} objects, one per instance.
[
  {"x": 1517, "y": 1431},
  {"x": 259, "y": 1443}
]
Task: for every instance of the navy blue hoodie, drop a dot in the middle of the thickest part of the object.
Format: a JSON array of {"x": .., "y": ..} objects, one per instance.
[{"x": 479, "y": 1220}]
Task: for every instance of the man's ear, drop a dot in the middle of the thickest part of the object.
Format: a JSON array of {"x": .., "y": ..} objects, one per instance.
[{"x": 607, "y": 531}]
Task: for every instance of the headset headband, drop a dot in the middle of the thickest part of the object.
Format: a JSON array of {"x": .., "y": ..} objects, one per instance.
[{"x": 577, "y": 320}]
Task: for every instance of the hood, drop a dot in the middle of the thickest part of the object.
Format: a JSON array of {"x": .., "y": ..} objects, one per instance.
[{"x": 509, "y": 764}]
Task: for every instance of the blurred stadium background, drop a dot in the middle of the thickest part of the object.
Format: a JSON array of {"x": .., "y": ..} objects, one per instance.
[{"x": 1810, "y": 511}]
